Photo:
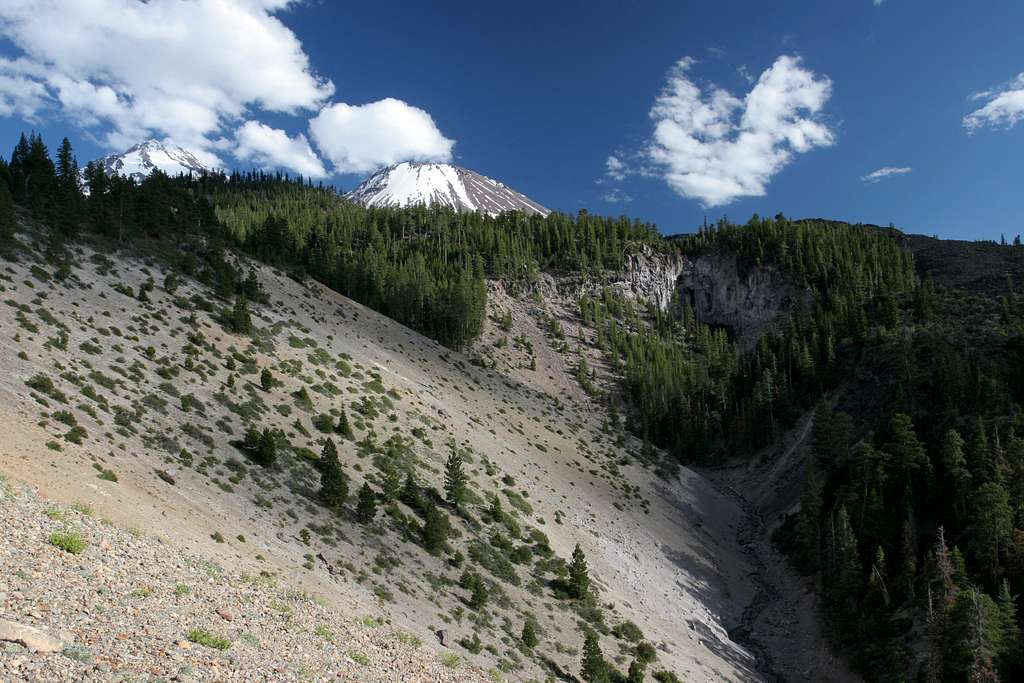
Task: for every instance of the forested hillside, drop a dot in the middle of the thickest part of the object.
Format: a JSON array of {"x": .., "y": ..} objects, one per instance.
[{"x": 913, "y": 513}]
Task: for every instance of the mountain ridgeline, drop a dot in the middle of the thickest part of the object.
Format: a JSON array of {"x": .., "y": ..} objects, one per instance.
[{"x": 912, "y": 516}]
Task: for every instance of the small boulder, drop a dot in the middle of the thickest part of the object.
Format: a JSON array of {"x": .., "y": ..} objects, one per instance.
[
  {"x": 442, "y": 637},
  {"x": 31, "y": 637}
]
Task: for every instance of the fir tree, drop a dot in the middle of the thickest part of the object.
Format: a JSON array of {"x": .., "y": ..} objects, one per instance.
[
  {"x": 434, "y": 531},
  {"x": 907, "y": 451},
  {"x": 637, "y": 672},
  {"x": 262, "y": 446},
  {"x": 478, "y": 594},
  {"x": 411, "y": 492},
  {"x": 455, "y": 479},
  {"x": 366, "y": 508},
  {"x": 579, "y": 578},
  {"x": 809, "y": 520},
  {"x": 266, "y": 379},
  {"x": 333, "y": 485},
  {"x": 240, "y": 321},
  {"x": 69, "y": 199},
  {"x": 8, "y": 218},
  {"x": 343, "y": 427},
  {"x": 976, "y": 629},
  {"x": 1010, "y": 649},
  {"x": 529, "y": 637},
  {"x": 955, "y": 464},
  {"x": 391, "y": 482},
  {"x": 993, "y": 523},
  {"x": 593, "y": 667}
]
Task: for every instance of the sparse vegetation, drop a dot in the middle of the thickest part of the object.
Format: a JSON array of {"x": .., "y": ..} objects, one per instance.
[
  {"x": 69, "y": 541},
  {"x": 208, "y": 639}
]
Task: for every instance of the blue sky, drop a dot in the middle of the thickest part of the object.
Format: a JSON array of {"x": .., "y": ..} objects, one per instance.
[{"x": 541, "y": 94}]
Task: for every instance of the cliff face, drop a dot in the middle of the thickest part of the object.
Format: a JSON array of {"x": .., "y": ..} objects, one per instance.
[
  {"x": 648, "y": 276},
  {"x": 749, "y": 303}
]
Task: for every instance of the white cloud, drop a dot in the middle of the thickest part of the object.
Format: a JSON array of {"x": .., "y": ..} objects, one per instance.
[
  {"x": 20, "y": 93},
  {"x": 273, "y": 148},
  {"x": 616, "y": 196},
  {"x": 615, "y": 168},
  {"x": 885, "y": 172},
  {"x": 712, "y": 146},
  {"x": 361, "y": 138},
  {"x": 197, "y": 72},
  {"x": 187, "y": 70},
  {"x": 878, "y": 3},
  {"x": 1004, "y": 107}
]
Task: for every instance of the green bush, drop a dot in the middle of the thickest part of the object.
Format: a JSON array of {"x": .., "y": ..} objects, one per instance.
[
  {"x": 207, "y": 639},
  {"x": 68, "y": 541}
]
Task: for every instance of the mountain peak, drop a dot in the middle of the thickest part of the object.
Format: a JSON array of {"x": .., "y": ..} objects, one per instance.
[
  {"x": 140, "y": 160},
  {"x": 410, "y": 183}
]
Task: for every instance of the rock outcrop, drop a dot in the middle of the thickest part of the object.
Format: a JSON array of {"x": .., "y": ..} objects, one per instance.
[
  {"x": 31, "y": 637},
  {"x": 647, "y": 277},
  {"x": 747, "y": 301}
]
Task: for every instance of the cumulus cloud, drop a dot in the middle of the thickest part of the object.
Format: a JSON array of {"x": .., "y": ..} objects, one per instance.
[
  {"x": 885, "y": 172},
  {"x": 1003, "y": 108},
  {"x": 361, "y": 138},
  {"x": 715, "y": 147},
  {"x": 20, "y": 93},
  {"x": 271, "y": 148},
  {"x": 180, "y": 69}
]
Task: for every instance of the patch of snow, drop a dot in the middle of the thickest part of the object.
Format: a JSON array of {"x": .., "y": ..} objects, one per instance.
[
  {"x": 139, "y": 161},
  {"x": 409, "y": 184}
]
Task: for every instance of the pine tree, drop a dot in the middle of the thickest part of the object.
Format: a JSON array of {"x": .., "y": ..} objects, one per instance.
[
  {"x": 976, "y": 631},
  {"x": 343, "y": 427},
  {"x": 69, "y": 199},
  {"x": 434, "y": 531},
  {"x": 579, "y": 578},
  {"x": 455, "y": 479},
  {"x": 8, "y": 218},
  {"x": 1007, "y": 602},
  {"x": 593, "y": 667},
  {"x": 529, "y": 637},
  {"x": 366, "y": 508},
  {"x": 333, "y": 485},
  {"x": 979, "y": 454},
  {"x": 478, "y": 594},
  {"x": 809, "y": 520},
  {"x": 877, "y": 576},
  {"x": 241, "y": 322},
  {"x": 942, "y": 591},
  {"x": 993, "y": 522},
  {"x": 844, "y": 570},
  {"x": 411, "y": 493},
  {"x": 890, "y": 311},
  {"x": 924, "y": 300},
  {"x": 907, "y": 451},
  {"x": 391, "y": 482},
  {"x": 266, "y": 379},
  {"x": 637, "y": 672},
  {"x": 955, "y": 464},
  {"x": 265, "y": 451}
]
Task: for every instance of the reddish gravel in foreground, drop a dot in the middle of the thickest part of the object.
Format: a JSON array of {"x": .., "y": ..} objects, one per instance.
[{"x": 125, "y": 607}]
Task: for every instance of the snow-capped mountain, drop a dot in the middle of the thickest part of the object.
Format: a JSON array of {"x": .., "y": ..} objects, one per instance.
[
  {"x": 139, "y": 161},
  {"x": 408, "y": 184}
]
